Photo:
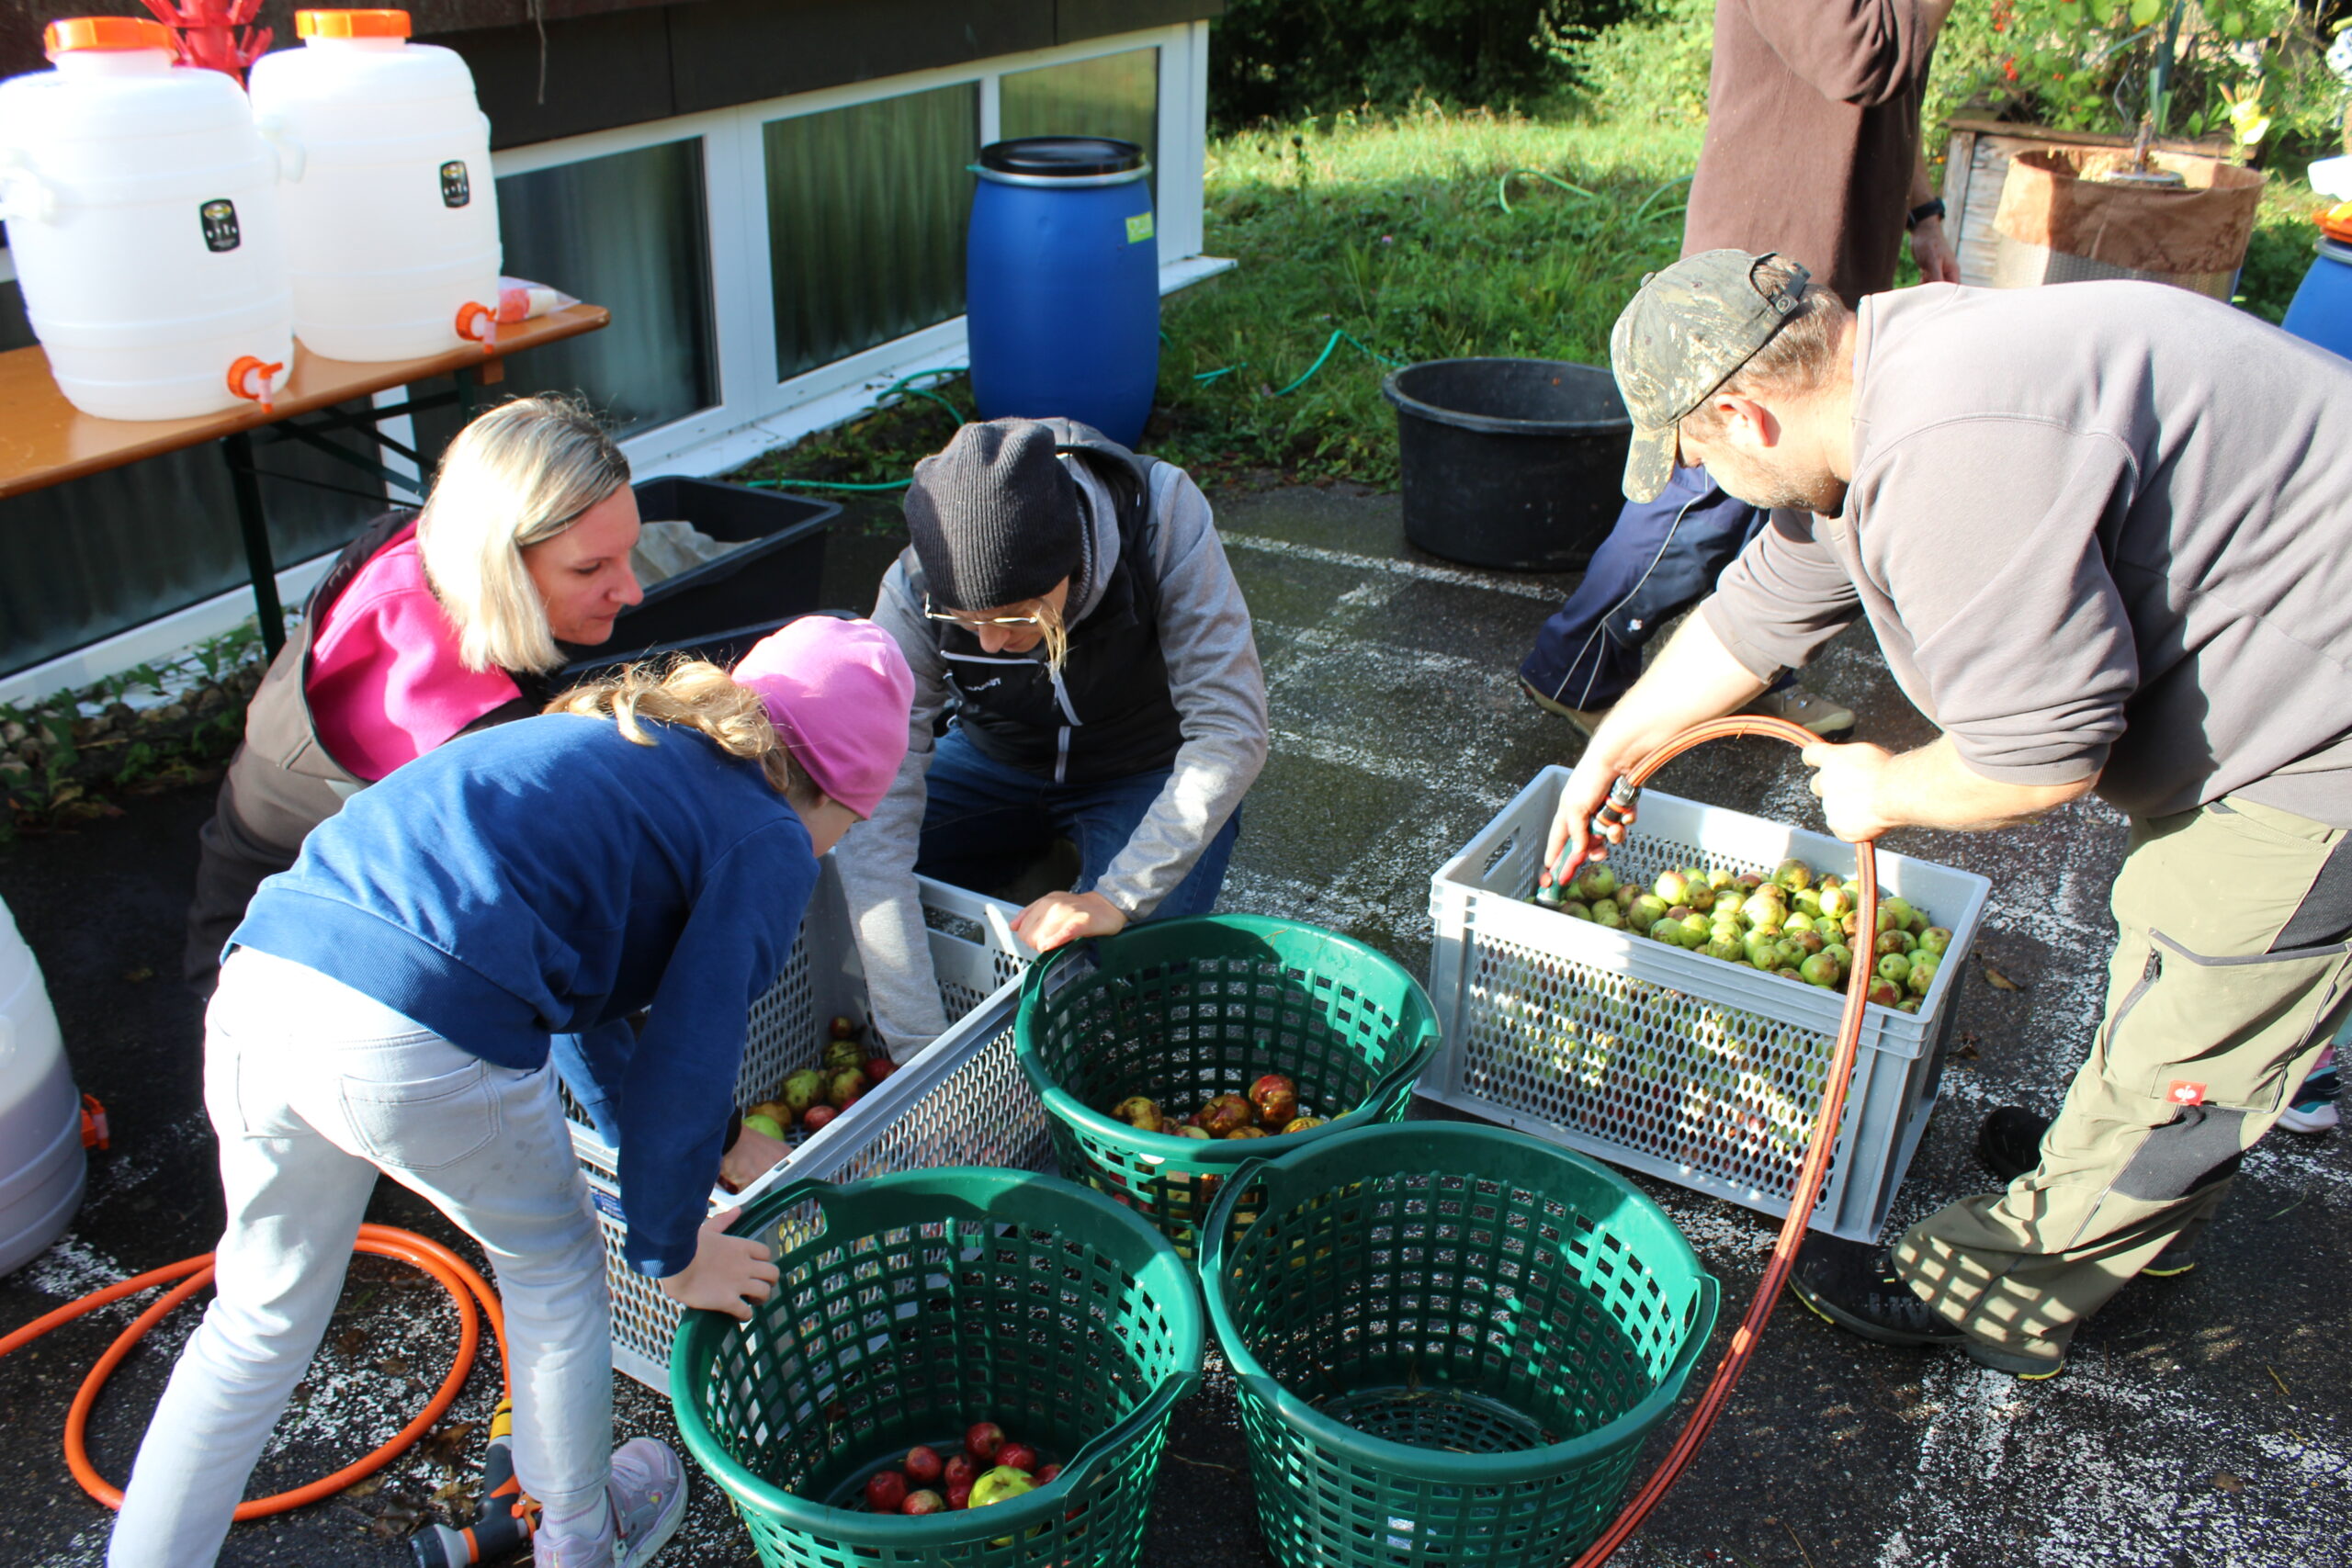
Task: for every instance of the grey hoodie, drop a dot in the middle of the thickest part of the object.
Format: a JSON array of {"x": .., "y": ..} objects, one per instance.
[{"x": 1220, "y": 695}]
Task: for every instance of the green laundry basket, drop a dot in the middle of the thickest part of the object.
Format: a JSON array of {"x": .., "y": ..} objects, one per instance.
[
  {"x": 911, "y": 1306},
  {"x": 1451, "y": 1341},
  {"x": 1181, "y": 1010}
]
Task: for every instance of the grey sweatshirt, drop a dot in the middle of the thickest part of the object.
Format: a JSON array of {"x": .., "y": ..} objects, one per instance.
[
  {"x": 2099, "y": 528},
  {"x": 1220, "y": 695}
]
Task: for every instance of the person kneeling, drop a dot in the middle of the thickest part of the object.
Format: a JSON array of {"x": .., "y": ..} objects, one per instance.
[{"x": 1067, "y": 606}]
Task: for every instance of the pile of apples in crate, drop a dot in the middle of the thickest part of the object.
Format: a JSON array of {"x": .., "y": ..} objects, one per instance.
[
  {"x": 991, "y": 1468},
  {"x": 1794, "y": 923},
  {"x": 1268, "y": 1110},
  {"x": 814, "y": 1096}
]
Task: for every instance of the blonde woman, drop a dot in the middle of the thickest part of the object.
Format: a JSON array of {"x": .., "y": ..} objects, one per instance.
[
  {"x": 387, "y": 1007},
  {"x": 427, "y": 626},
  {"x": 1066, "y": 604}
]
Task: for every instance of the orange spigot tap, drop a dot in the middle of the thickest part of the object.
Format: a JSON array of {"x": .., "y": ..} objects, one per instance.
[
  {"x": 256, "y": 379},
  {"x": 478, "y": 322}
]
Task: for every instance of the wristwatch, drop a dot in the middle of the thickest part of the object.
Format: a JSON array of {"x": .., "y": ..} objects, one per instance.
[{"x": 1932, "y": 207}]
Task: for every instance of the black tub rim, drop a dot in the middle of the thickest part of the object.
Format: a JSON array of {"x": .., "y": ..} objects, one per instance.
[{"x": 1492, "y": 424}]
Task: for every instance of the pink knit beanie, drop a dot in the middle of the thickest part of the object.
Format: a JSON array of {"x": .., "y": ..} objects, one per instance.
[{"x": 838, "y": 692}]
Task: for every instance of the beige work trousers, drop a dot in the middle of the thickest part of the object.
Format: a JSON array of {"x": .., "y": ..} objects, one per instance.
[{"x": 2231, "y": 970}]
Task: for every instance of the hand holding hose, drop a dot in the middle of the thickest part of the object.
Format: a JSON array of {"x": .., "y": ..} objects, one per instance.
[{"x": 729, "y": 1273}]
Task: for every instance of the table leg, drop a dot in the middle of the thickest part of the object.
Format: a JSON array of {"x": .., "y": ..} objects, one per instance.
[{"x": 238, "y": 449}]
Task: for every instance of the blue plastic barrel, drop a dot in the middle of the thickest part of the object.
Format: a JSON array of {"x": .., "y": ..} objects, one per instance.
[
  {"x": 1062, "y": 283},
  {"x": 2321, "y": 312}
]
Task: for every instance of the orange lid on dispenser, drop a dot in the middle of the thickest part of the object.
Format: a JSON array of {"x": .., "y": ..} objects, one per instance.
[
  {"x": 351, "y": 24},
  {"x": 104, "y": 32}
]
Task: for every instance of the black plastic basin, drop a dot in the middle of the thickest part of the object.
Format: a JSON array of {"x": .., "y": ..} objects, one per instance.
[{"x": 1511, "y": 463}]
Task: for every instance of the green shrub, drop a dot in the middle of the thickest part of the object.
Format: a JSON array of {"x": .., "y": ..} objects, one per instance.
[
  {"x": 1650, "y": 66},
  {"x": 1281, "y": 59}
]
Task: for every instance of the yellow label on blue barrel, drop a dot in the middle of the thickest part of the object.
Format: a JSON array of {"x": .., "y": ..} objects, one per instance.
[{"x": 1139, "y": 227}]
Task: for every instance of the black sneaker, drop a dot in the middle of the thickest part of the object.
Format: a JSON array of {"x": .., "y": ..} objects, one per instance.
[
  {"x": 2009, "y": 1144},
  {"x": 1856, "y": 1288}
]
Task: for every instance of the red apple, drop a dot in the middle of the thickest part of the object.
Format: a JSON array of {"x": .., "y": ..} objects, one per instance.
[
  {"x": 880, "y": 1067},
  {"x": 816, "y": 1116},
  {"x": 886, "y": 1490},
  {"x": 844, "y": 1028},
  {"x": 960, "y": 1472},
  {"x": 922, "y": 1503},
  {"x": 922, "y": 1465},
  {"x": 982, "y": 1440},
  {"x": 960, "y": 1496},
  {"x": 1020, "y": 1456},
  {"x": 1048, "y": 1473}
]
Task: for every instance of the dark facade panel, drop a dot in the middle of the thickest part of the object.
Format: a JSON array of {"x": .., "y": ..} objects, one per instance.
[
  {"x": 737, "y": 51},
  {"x": 1077, "y": 20},
  {"x": 589, "y": 73}
]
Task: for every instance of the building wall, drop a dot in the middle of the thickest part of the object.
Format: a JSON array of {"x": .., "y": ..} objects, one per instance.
[{"x": 770, "y": 196}]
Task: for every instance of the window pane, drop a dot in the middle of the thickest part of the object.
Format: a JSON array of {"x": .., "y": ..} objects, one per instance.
[
  {"x": 1113, "y": 95},
  {"x": 866, "y": 211},
  {"x": 627, "y": 233}
]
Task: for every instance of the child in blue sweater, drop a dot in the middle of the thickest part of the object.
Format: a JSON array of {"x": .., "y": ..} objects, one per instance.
[{"x": 388, "y": 1004}]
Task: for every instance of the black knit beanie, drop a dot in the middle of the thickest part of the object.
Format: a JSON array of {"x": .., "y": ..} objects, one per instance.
[{"x": 995, "y": 516}]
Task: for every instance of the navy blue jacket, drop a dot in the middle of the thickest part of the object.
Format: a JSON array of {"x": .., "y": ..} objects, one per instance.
[{"x": 551, "y": 876}]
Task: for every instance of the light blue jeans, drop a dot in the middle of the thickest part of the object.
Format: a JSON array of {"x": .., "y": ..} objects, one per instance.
[{"x": 313, "y": 1088}]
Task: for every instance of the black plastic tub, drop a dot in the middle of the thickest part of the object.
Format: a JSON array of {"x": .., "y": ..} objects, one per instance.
[
  {"x": 780, "y": 576},
  {"x": 1511, "y": 463}
]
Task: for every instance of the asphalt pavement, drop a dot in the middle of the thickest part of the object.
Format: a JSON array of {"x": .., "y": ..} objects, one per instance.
[{"x": 2202, "y": 1422}]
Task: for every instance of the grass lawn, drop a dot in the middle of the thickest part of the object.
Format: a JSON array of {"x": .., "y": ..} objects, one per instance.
[{"x": 1422, "y": 235}]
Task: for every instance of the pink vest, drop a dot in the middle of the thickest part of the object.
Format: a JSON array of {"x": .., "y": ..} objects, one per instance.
[{"x": 386, "y": 684}]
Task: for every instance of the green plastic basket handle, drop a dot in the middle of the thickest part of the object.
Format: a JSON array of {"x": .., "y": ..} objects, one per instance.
[
  {"x": 1097, "y": 1450},
  {"x": 1220, "y": 1221}
]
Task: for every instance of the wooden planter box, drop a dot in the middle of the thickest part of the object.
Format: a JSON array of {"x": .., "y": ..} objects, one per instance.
[{"x": 1978, "y": 165}]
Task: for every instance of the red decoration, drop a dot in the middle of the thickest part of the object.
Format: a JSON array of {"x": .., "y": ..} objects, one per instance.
[{"x": 216, "y": 35}]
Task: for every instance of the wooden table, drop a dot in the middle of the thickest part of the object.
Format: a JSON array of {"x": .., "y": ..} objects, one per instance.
[{"x": 44, "y": 440}]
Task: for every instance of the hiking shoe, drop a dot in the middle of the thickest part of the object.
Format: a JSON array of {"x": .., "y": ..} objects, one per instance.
[
  {"x": 2008, "y": 1145},
  {"x": 2315, "y": 1110},
  {"x": 1586, "y": 720},
  {"x": 645, "y": 1501},
  {"x": 1856, "y": 1288},
  {"x": 1806, "y": 710}
]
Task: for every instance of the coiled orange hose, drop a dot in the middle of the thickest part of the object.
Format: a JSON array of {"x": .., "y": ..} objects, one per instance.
[
  {"x": 1810, "y": 1174},
  {"x": 459, "y": 1278}
]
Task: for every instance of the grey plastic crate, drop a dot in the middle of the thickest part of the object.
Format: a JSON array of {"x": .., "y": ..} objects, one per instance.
[
  {"x": 963, "y": 1101},
  {"x": 1684, "y": 1067}
]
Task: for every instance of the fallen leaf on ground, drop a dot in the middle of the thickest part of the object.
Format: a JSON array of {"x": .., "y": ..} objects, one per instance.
[
  {"x": 2227, "y": 1482},
  {"x": 1999, "y": 981},
  {"x": 366, "y": 1488}
]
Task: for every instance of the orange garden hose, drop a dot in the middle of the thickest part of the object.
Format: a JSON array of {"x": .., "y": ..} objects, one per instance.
[
  {"x": 1810, "y": 1174},
  {"x": 459, "y": 1278}
]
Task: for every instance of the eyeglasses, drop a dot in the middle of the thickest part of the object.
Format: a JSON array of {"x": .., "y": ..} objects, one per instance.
[{"x": 973, "y": 623}]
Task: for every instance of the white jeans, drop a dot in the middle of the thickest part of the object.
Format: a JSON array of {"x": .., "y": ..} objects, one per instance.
[{"x": 312, "y": 1088}]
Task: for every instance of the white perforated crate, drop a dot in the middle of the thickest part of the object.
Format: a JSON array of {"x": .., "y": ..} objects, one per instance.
[
  {"x": 963, "y": 1101},
  {"x": 1685, "y": 1067}
]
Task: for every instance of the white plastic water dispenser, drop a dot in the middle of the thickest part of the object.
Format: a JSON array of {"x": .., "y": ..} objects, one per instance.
[
  {"x": 41, "y": 1168},
  {"x": 391, "y": 213},
  {"x": 142, "y": 213}
]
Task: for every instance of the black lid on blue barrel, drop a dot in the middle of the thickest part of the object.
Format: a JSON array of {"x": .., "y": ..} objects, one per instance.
[{"x": 1061, "y": 157}]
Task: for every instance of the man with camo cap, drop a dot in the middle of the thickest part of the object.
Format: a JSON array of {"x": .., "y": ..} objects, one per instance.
[{"x": 2088, "y": 528}]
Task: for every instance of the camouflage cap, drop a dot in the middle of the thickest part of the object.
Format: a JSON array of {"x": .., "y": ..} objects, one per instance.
[{"x": 1681, "y": 336}]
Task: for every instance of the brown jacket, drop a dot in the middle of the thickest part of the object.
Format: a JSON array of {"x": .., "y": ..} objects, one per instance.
[
  {"x": 1813, "y": 135},
  {"x": 283, "y": 782}
]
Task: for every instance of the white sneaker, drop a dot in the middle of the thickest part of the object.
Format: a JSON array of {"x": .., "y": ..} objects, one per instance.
[
  {"x": 1802, "y": 708},
  {"x": 646, "y": 1499}
]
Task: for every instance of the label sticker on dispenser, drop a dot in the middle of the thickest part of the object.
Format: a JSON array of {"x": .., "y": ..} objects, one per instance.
[
  {"x": 1139, "y": 227},
  {"x": 219, "y": 219},
  {"x": 455, "y": 189}
]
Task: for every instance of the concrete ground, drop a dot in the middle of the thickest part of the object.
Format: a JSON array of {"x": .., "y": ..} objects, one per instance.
[{"x": 2205, "y": 1421}]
